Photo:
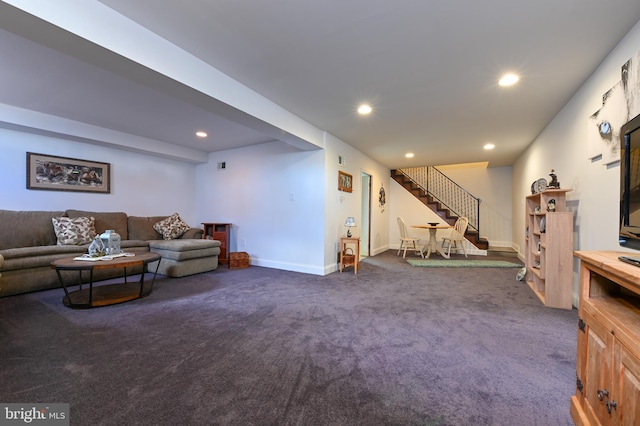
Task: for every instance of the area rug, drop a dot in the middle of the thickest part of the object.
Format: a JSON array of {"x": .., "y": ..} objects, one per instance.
[{"x": 445, "y": 263}]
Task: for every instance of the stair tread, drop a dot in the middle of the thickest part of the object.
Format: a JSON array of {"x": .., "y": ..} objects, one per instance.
[{"x": 436, "y": 206}]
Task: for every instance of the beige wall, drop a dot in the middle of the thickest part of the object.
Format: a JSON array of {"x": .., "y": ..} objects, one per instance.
[
  {"x": 491, "y": 185},
  {"x": 563, "y": 146}
]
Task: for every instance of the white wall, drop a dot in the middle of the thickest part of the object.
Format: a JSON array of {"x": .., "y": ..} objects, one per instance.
[
  {"x": 562, "y": 146},
  {"x": 413, "y": 212},
  {"x": 491, "y": 185},
  {"x": 141, "y": 185},
  {"x": 273, "y": 194},
  {"x": 284, "y": 204},
  {"x": 341, "y": 204}
]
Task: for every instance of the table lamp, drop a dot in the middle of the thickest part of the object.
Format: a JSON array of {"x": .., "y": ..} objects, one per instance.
[{"x": 351, "y": 222}]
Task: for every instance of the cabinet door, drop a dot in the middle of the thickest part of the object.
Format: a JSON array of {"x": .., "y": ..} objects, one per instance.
[
  {"x": 598, "y": 372},
  {"x": 581, "y": 357},
  {"x": 627, "y": 387},
  {"x": 222, "y": 237}
]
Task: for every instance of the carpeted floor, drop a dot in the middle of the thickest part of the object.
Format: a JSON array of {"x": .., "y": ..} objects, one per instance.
[
  {"x": 462, "y": 263},
  {"x": 393, "y": 345}
]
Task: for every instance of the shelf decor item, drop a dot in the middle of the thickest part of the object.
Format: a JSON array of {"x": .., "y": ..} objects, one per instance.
[
  {"x": 553, "y": 183},
  {"x": 551, "y": 205},
  {"x": 111, "y": 241},
  {"x": 96, "y": 248},
  {"x": 538, "y": 186}
]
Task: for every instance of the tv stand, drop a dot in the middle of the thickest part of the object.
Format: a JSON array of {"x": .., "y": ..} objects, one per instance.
[{"x": 608, "y": 358}]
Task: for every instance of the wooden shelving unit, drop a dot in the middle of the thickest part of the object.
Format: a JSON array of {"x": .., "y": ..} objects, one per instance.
[
  {"x": 222, "y": 233},
  {"x": 549, "y": 248},
  {"x": 608, "y": 356}
]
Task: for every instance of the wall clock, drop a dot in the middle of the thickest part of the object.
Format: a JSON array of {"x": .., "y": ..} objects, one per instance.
[
  {"x": 538, "y": 186},
  {"x": 605, "y": 129}
]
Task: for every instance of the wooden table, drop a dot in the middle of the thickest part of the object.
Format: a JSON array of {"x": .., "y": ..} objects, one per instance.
[
  {"x": 350, "y": 259},
  {"x": 107, "y": 294},
  {"x": 433, "y": 242}
]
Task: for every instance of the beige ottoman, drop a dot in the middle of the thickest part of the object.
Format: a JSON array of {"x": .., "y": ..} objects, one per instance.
[{"x": 185, "y": 257}]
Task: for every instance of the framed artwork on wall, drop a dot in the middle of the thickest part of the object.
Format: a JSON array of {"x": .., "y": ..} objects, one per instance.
[
  {"x": 345, "y": 182},
  {"x": 53, "y": 173}
]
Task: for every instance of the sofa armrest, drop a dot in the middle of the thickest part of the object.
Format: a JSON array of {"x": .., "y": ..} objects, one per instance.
[{"x": 192, "y": 234}]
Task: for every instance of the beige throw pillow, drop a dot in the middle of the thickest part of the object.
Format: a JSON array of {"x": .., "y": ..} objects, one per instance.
[
  {"x": 74, "y": 231},
  {"x": 171, "y": 227}
]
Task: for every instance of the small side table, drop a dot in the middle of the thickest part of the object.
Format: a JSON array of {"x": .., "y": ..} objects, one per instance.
[
  {"x": 220, "y": 232},
  {"x": 350, "y": 259}
]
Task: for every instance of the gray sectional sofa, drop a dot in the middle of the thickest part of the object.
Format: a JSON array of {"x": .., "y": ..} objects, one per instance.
[{"x": 28, "y": 245}]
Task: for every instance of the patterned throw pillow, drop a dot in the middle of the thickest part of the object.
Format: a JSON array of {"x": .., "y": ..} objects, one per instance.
[
  {"x": 171, "y": 227},
  {"x": 74, "y": 231}
]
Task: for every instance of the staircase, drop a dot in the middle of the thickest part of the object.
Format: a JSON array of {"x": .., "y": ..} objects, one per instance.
[{"x": 440, "y": 208}]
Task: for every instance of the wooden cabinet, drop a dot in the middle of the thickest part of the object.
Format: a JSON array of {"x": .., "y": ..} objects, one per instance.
[
  {"x": 549, "y": 248},
  {"x": 350, "y": 256},
  {"x": 608, "y": 356},
  {"x": 222, "y": 233}
]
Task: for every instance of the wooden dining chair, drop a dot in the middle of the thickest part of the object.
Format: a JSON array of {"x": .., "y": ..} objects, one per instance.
[
  {"x": 456, "y": 236},
  {"x": 406, "y": 241}
]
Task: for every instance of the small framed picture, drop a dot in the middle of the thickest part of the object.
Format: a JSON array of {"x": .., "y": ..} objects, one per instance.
[
  {"x": 345, "y": 182},
  {"x": 53, "y": 173}
]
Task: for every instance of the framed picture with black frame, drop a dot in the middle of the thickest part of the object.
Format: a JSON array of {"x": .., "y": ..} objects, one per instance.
[{"x": 54, "y": 173}]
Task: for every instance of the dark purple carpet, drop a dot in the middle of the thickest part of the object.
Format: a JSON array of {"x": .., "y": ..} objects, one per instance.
[{"x": 394, "y": 345}]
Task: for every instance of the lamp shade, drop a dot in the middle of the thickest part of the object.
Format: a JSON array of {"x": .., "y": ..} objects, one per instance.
[{"x": 350, "y": 222}]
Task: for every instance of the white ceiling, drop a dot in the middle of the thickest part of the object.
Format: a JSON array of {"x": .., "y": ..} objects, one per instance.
[{"x": 429, "y": 68}]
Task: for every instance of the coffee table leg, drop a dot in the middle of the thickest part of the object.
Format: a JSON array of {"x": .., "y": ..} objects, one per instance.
[
  {"x": 153, "y": 279},
  {"x": 64, "y": 287},
  {"x": 91, "y": 287}
]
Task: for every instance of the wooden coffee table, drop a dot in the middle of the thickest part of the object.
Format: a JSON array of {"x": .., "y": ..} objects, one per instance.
[{"x": 106, "y": 294}]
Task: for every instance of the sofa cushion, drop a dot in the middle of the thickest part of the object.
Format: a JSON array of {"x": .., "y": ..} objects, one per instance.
[
  {"x": 172, "y": 227},
  {"x": 185, "y": 249},
  {"x": 116, "y": 221},
  {"x": 193, "y": 233},
  {"x": 74, "y": 230},
  {"x": 27, "y": 228},
  {"x": 141, "y": 228},
  {"x": 37, "y": 257}
]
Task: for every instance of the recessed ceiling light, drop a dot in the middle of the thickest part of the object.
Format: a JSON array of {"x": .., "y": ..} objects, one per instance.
[
  {"x": 409, "y": 155},
  {"x": 364, "y": 109},
  {"x": 201, "y": 134},
  {"x": 489, "y": 146},
  {"x": 508, "y": 80}
]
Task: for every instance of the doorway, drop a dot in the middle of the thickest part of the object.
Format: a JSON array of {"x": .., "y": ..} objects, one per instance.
[{"x": 365, "y": 219}]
